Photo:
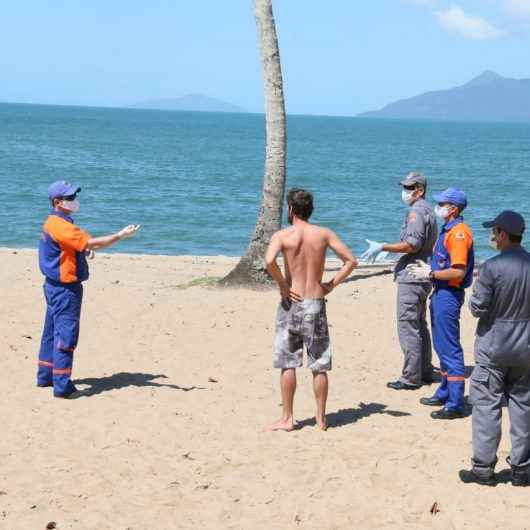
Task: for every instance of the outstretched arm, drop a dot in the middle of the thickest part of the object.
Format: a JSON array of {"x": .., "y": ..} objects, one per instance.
[
  {"x": 275, "y": 247},
  {"x": 399, "y": 248},
  {"x": 349, "y": 261},
  {"x": 95, "y": 243}
]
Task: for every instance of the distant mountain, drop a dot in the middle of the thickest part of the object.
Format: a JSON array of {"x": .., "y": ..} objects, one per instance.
[
  {"x": 488, "y": 97},
  {"x": 196, "y": 102}
]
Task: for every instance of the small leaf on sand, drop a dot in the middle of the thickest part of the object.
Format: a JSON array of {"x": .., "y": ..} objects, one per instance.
[
  {"x": 212, "y": 380},
  {"x": 435, "y": 508}
]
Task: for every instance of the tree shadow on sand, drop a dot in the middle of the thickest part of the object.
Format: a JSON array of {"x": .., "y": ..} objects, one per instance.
[
  {"x": 98, "y": 385},
  {"x": 348, "y": 416}
]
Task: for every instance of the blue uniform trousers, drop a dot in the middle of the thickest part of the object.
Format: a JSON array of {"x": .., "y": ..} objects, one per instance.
[
  {"x": 446, "y": 304},
  {"x": 60, "y": 336}
]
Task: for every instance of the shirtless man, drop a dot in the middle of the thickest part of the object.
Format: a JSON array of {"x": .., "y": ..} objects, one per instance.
[{"x": 301, "y": 317}]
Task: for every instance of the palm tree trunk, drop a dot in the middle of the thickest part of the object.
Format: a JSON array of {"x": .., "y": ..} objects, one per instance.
[{"x": 251, "y": 268}]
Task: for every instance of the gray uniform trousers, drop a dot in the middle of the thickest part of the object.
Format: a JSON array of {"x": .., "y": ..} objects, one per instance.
[
  {"x": 414, "y": 336},
  {"x": 489, "y": 385}
]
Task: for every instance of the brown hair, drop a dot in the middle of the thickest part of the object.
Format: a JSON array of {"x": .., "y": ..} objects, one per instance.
[{"x": 301, "y": 203}]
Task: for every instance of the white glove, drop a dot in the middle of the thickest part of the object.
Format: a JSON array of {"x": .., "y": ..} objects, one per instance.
[
  {"x": 90, "y": 254},
  {"x": 419, "y": 270},
  {"x": 373, "y": 250},
  {"x": 128, "y": 231}
]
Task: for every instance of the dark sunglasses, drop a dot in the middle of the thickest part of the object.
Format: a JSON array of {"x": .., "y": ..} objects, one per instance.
[
  {"x": 410, "y": 188},
  {"x": 70, "y": 197}
]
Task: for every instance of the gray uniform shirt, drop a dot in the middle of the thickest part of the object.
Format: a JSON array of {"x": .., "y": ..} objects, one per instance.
[
  {"x": 420, "y": 231},
  {"x": 501, "y": 301}
]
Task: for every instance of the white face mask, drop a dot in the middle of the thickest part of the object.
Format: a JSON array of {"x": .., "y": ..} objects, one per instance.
[
  {"x": 407, "y": 196},
  {"x": 71, "y": 206},
  {"x": 493, "y": 241},
  {"x": 442, "y": 212}
]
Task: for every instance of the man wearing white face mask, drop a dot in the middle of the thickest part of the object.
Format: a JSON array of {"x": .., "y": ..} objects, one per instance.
[
  {"x": 418, "y": 235},
  {"x": 451, "y": 272},
  {"x": 501, "y": 302},
  {"x": 62, "y": 260}
]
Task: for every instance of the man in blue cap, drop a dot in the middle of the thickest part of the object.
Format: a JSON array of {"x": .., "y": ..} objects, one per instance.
[
  {"x": 451, "y": 272},
  {"x": 63, "y": 249},
  {"x": 501, "y": 302}
]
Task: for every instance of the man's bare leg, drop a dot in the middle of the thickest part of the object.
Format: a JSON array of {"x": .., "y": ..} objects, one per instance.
[
  {"x": 288, "y": 386},
  {"x": 320, "y": 386}
]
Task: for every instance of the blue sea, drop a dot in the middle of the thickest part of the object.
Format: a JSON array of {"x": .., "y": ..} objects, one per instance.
[{"x": 193, "y": 180}]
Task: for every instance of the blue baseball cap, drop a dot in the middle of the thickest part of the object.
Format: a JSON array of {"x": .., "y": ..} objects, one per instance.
[
  {"x": 62, "y": 188},
  {"x": 509, "y": 221},
  {"x": 452, "y": 196}
]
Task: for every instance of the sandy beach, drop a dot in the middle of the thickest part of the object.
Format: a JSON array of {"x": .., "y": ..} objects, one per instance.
[{"x": 180, "y": 383}]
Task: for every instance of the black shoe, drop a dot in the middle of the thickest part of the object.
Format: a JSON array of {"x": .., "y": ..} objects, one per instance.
[
  {"x": 73, "y": 395},
  {"x": 520, "y": 478},
  {"x": 432, "y": 402},
  {"x": 446, "y": 414},
  {"x": 470, "y": 477},
  {"x": 399, "y": 385}
]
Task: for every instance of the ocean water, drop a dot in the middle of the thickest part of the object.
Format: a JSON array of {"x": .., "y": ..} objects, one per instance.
[{"x": 193, "y": 180}]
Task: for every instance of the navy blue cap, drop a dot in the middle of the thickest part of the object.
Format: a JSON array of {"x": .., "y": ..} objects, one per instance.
[
  {"x": 62, "y": 188},
  {"x": 509, "y": 221},
  {"x": 452, "y": 196}
]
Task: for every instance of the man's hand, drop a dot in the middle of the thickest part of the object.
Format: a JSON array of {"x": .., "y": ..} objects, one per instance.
[
  {"x": 373, "y": 250},
  {"x": 288, "y": 294},
  {"x": 90, "y": 254},
  {"x": 419, "y": 270},
  {"x": 128, "y": 231},
  {"x": 328, "y": 287}
]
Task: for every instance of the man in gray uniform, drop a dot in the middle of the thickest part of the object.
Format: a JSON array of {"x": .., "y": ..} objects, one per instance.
[
  {"x": 501, "y": 301},
  {"x": 418, "y": 236}
]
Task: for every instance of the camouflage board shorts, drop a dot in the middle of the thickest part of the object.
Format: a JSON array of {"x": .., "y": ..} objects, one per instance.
[{"x": 298, "y": 324}]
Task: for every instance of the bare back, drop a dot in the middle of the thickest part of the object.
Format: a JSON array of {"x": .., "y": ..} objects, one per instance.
[{"x": 304, "y": 251}]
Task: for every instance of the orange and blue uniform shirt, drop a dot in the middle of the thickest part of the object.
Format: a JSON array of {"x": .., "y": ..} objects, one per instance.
[
  {"x": 62, "y": 261},
  {"x": 62, "y": 250},
  {"x": 454, "y": 247}
]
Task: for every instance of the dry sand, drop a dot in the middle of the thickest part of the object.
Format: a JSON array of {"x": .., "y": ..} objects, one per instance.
[{"x": 159, "y": 445}]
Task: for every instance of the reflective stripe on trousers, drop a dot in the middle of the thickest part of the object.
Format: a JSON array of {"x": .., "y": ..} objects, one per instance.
[
  {"x": 60, "y": 336},
  {"x": 445, "y": 323}
]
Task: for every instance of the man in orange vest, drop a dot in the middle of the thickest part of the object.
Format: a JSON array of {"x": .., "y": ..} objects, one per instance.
[
  {"x": 63, "y": 250},
  {"x": 451, "y": 272}
]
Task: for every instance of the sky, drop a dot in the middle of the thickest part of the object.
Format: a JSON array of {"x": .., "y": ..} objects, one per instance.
[{"x": 339, "y": 57}]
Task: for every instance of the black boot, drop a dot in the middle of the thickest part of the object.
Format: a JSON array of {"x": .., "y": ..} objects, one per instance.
[
  {"x": 519, "y": 477},
  {"x": 446, "y": 414},
  {"x": 432, "y": 402},
  {"x": 470, "y": 477},
  {"x": 399, "y": 385}
]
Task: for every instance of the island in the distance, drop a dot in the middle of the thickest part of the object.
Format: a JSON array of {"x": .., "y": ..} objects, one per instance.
[
  {"x": 488, "y": 97},
  {"x": 190, "y": 102}
]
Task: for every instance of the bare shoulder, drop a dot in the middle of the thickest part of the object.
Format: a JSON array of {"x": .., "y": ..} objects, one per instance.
[
  {"x": 282, "y": 235},
  {"x": 284, "y": 232},
  {"x": 324, "y": 232}
]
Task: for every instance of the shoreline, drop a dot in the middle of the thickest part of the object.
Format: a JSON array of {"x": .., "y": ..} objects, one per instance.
[{"x": 330, "y": 262}]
